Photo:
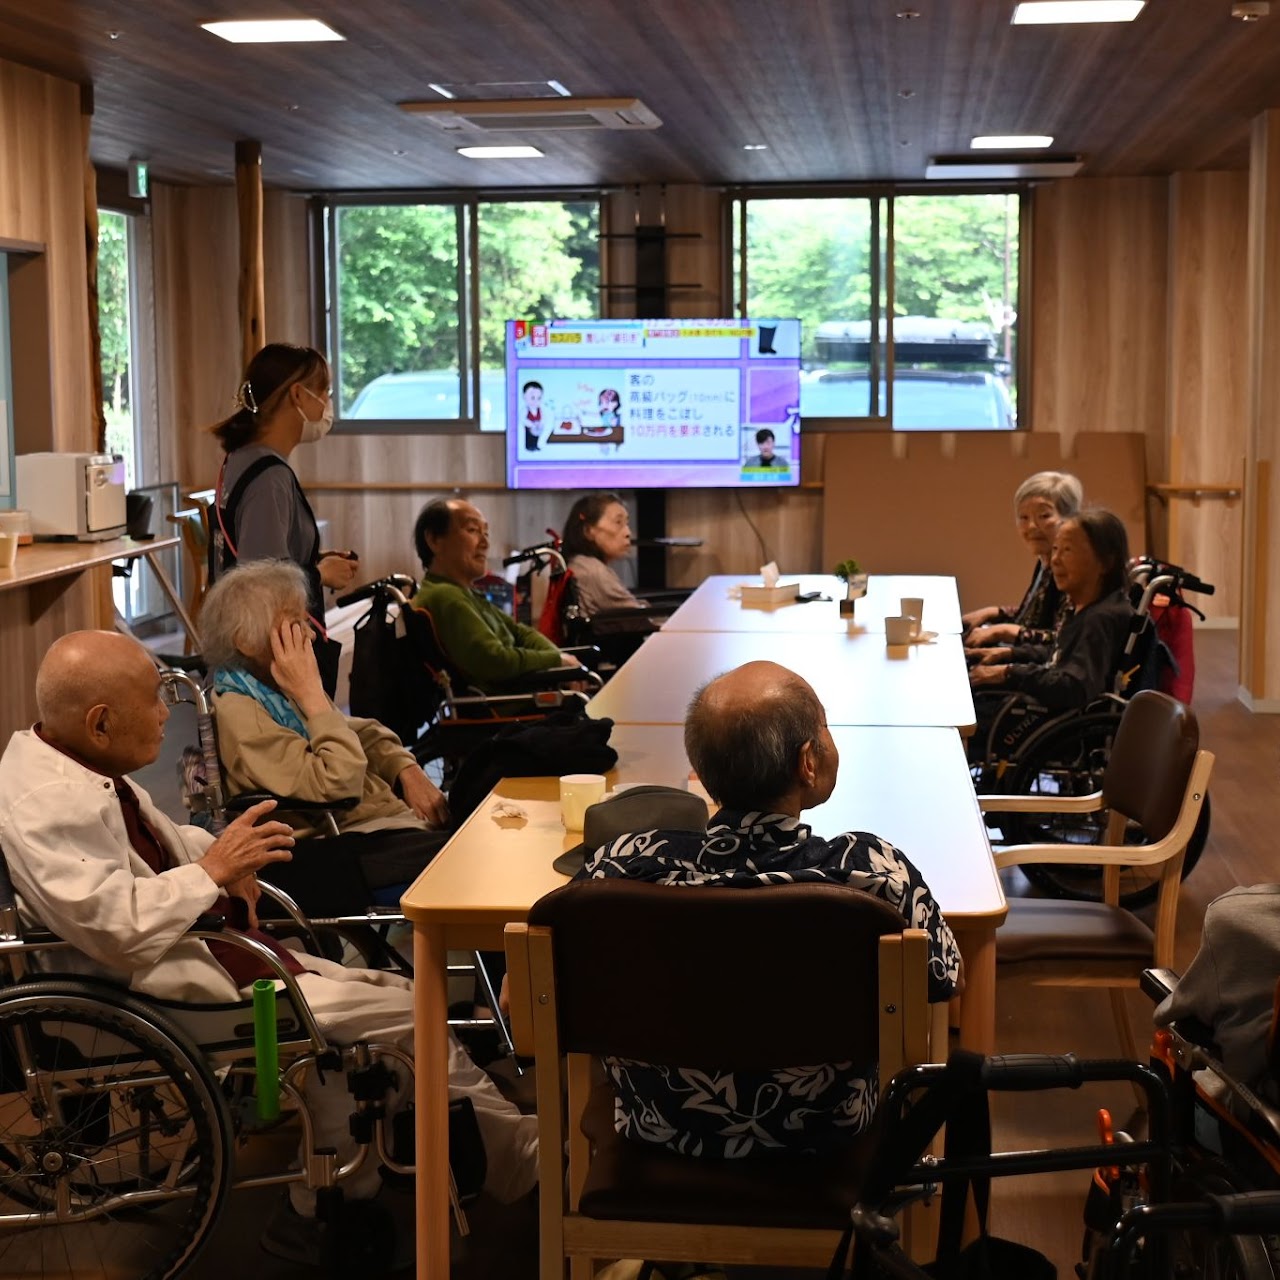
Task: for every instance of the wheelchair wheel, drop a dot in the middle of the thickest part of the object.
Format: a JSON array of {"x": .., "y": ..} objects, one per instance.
[
  {"x": 1068, "y": 759},
  {"x": 1201, "y": 1255},
  {"x": 115, "y": 1142}
]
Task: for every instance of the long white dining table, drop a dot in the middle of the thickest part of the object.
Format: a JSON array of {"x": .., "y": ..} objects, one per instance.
[
  {"x": 715, "y": 606},
  {"x": 860, "y": 679}
]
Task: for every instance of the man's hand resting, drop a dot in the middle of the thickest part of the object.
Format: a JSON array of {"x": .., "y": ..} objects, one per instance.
[
  {"x": 242, "y": 848},
  {"x": 423, "y": 796}
]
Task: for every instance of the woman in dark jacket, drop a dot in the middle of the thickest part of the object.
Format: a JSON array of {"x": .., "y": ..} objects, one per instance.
[{"x": 1090, "y": 552}]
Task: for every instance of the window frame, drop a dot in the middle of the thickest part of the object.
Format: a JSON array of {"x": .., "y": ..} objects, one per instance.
[
  {"x": 735, "y": 260},
  {"x": 467, "y": 207}
]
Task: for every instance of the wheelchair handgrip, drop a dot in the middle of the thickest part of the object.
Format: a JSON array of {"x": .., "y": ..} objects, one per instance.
[
  {"x": 1189, "y": 582},
  {"x": 1248, "y": 1211},
  {"x": 1015, "y": 1072}
]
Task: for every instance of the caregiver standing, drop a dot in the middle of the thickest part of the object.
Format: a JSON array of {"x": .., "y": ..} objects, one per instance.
[{"x": 261, "y": 512}]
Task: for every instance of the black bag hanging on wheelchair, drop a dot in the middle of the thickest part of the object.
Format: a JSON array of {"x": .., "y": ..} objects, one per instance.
[{"x": 388, "y": 683}]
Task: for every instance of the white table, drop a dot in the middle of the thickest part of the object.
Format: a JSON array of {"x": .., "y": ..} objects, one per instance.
[
  {"x": 859, "y": 679},
  {"x": 710, "y": 607}
]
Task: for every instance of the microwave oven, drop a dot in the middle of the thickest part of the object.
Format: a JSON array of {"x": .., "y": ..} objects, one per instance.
[{"x": 77, "y": 497}]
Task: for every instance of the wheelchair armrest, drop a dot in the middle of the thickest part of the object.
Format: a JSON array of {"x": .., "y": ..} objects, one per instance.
[
  {"x": 1158, "y": 984},
  {"x": 585, "y": 653},
  {"x": 208, "y": 922},
  {"x": 552, "y": 678},
  {"x": 1041, "y": 803},
  {"x": 247, "y": 799}
]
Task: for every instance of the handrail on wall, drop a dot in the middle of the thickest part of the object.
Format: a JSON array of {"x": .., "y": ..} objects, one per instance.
[{"x": 1230, "y": 493}]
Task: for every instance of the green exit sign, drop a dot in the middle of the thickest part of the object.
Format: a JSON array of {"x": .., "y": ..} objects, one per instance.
[{"x": 139, "y": 179}]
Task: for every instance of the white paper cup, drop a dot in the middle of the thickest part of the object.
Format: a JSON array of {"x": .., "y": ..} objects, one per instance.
[
  {"x": 8, "y": 550},
  {"x": 578, "y": 791},
  {"x": 899, "y": 630},
  {"x": 913, "y": 607}
]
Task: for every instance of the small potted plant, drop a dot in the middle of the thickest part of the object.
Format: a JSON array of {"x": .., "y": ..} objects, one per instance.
[{"x": 855, "y": 581}]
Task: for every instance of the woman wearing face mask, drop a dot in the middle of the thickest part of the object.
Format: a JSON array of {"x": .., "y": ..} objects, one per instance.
[{"x": 261, "y": 512}]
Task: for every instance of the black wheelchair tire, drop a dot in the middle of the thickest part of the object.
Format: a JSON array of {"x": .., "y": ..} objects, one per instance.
[
  {"x": 1071, "y": 755},
  {"x": 159, "y": 1240}
]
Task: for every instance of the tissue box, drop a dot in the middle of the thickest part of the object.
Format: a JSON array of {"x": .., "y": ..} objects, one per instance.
[{"x": 756, "y": 597}]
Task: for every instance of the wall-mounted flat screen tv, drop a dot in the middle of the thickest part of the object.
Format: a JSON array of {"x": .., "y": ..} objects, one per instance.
[{"x": 646, "y": 404}]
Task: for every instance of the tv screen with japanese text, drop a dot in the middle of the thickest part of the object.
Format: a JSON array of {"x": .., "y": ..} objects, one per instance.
[{"x": 636, "y": 404}]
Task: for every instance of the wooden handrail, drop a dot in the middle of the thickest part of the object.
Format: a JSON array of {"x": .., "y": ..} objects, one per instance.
[{"x": 1228, "y": 492}]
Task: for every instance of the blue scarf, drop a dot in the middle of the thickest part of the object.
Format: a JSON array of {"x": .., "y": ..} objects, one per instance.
[{"x": 272, "y": 701}]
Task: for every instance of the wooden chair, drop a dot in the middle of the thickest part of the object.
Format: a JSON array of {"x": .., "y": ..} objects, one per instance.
[
  {"x": 194, "y": 527},
  {"x": 739, "y": 978},
  {"x": 1155, "y": 777}
]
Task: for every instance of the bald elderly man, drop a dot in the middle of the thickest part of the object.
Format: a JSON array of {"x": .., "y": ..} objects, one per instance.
[
  {"x": 93, "y": 859},
  {"x": 758, "y": 739}
]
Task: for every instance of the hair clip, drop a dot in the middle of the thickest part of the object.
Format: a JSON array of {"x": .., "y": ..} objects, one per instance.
[{"x": 245, "y": 399}]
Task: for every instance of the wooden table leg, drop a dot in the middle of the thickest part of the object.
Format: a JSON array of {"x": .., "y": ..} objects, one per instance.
[
  {"x": 431, "y": 1098},
  {"x": 978, "y": 1003}
]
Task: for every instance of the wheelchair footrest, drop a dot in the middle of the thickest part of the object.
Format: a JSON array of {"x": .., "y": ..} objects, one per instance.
[{"x": 467, "y": 1158}]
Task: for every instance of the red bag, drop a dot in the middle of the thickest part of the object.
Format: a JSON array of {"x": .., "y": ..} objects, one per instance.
[
  {"x": 550, "y": 621},
  {"x": 1173, "y": 627}
]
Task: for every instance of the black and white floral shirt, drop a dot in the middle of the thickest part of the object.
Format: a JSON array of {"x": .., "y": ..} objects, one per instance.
[{"x": 708, "y": 1112}]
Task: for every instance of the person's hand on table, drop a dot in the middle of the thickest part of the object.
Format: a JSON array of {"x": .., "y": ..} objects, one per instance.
[
  {"x": 978, "y": 617},
  {"x": 997, "y": 655},
  {"x": 987, "y": 674},
  {"x": 423, "y": 796},
  {"x": 338, "y": 568},
  {"x": 999, "y": 633},
  {"x": 294, "y": 670}
]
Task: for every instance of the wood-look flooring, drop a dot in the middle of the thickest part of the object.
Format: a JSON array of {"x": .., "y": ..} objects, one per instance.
[{"x": 1045, "y": 1211}]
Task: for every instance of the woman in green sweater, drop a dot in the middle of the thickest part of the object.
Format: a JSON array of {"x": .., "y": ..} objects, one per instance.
[{"x": 491, "y": 649}]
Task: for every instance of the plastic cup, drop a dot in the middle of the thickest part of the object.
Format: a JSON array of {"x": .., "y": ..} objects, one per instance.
[
  {"x": 8, "y": 550},
  {"x": 578, "y": 792},
  {"x": 899, "y": 630}
]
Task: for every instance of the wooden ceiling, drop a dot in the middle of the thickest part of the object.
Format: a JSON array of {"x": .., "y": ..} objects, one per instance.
[{"x": 835, "y": 89}]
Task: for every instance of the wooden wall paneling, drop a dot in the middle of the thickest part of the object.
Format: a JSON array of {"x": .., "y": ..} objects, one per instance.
[
  {"x": 194, "y": 235},
  {"x": 253, "y": 294},
  {"x": 1100, "y": 310},
  {"x": 286, "y": 241},
  {"x": 42, "y": 203},
  {"x": 943, "y": 503},
  {"x": 1259, "y": 632},
  {"x": 1208, "y": 368}
]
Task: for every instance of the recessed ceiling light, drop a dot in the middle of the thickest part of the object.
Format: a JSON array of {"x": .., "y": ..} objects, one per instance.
[
  {"x": 755, "y": 146},
  {"x": 500, "y": 153},
  {"x": 273, "y": 31},
  {"x": 442, "y": 91},
  {"x": 1054, "y": 12},
  {"x": 556, "y": 87},
  {"x": 1011, "y": 142}
]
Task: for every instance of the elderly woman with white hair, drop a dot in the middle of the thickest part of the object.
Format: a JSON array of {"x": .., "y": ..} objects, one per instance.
[
  {"x": 279, "y": 732},
  {"x": 1042, "y": 502}
]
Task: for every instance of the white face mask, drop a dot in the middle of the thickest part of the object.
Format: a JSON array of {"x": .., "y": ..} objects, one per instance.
[{"x": 314, "y": 429}]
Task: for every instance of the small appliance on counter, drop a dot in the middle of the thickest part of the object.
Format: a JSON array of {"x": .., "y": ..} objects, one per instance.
[{"x": 73, "y": 497}]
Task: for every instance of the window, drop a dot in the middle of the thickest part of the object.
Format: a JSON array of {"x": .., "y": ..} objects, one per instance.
[
  {"x": 407, "y": 346},
  {"x": 115, "y": 325},
  {"x": 925, "y": 285}
]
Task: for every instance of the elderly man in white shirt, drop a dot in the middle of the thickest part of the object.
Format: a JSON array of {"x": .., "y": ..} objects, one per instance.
[{"x": 94, "y": 860}]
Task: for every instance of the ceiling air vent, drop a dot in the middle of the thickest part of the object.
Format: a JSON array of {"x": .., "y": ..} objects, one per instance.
[
  {"x": 997, "y": 165},
  {"x": 543, "y": 114}
]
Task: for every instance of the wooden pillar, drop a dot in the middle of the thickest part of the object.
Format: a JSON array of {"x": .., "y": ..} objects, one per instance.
[
  {"x": 91, "y": 270},
  {"x": 253, "y": 301},
  {"x": 1260, "y": 614}
]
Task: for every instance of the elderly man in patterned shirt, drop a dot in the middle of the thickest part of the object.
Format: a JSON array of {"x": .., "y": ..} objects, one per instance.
[{"x": 759, "y": 741}]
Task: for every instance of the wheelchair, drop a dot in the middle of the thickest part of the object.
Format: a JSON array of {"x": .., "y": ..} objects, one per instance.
[
  {"x": 402, "y": 677},
  {"x": 120, "y": 1117},
  {"x": 564, "y": 619},
  {"x": 1030, "y": 750}
]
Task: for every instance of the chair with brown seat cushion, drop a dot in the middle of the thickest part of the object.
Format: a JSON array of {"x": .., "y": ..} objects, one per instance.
[
  {"x": 1156, "y": 778},
  {"x": 747, "y": 979}
]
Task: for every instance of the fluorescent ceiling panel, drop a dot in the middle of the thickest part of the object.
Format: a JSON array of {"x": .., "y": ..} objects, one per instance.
[
  {"x": 500, "y": 153},
  {"x": 273, "y": 31},
  {"x": 1011, "y": 142},
  {"x": 1003, "y": 169},
  {"x": 1057, "y": 12}
]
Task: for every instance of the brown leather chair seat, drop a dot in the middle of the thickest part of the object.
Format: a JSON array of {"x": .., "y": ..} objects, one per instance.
[
  {"x": 642, "y": 1182},
  {"x": 1046, "y": 929}
]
